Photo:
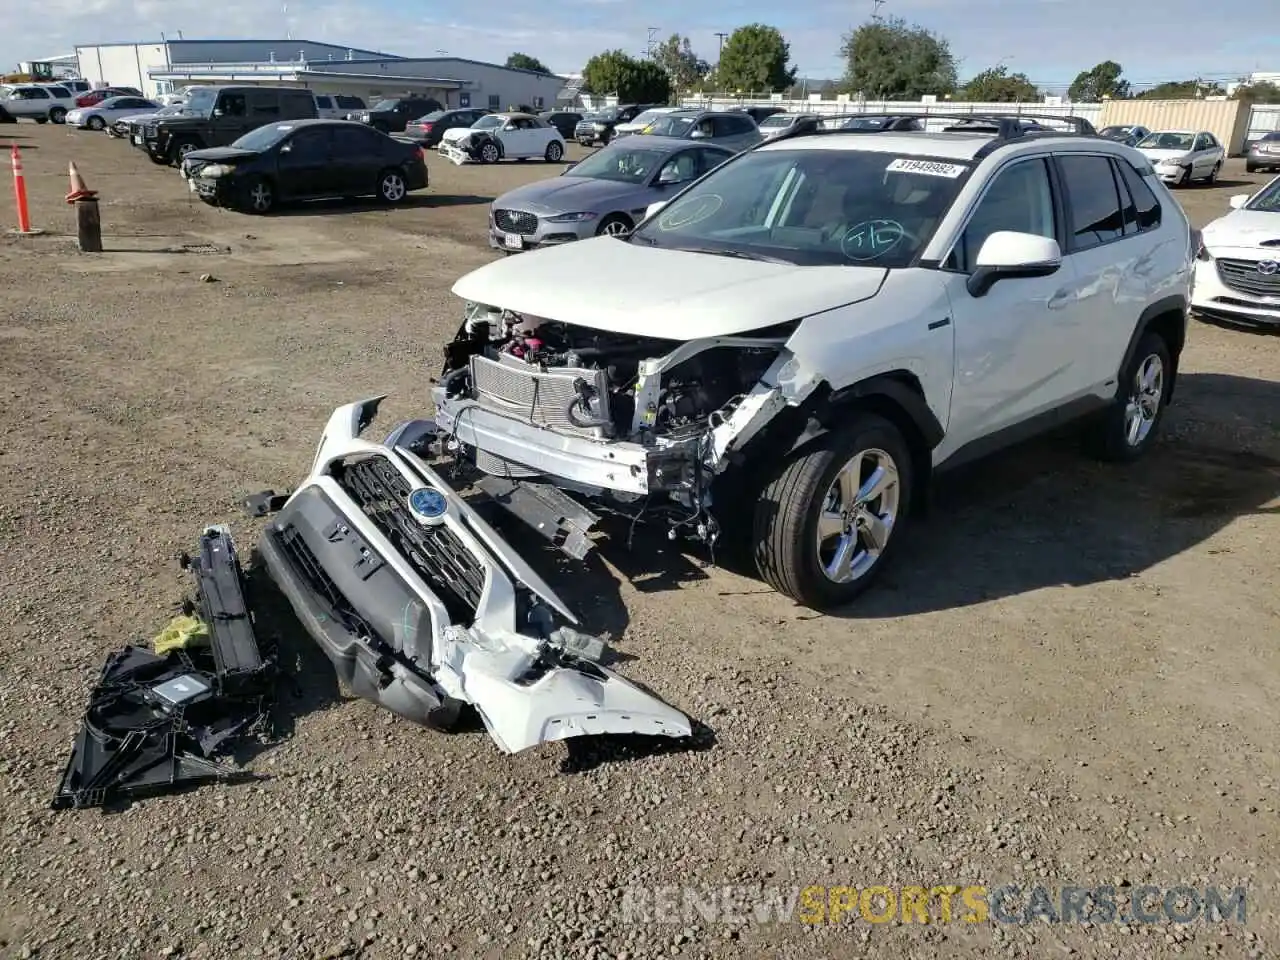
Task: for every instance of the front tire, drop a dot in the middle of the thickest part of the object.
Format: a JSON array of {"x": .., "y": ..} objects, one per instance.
[
  {"x": 392, "y": 188},
  {"x": 489, "y": 153},
  {"x": 180, "y": 149},
  {"x": 615, "y": 225},
  {"x": 259, "y": 196},
  {"x": 555, "y": 152},
  {"x": 96, "y": 123},
  {"x": 830, "y": 518},
  {"x": 1128, "y": 428}
]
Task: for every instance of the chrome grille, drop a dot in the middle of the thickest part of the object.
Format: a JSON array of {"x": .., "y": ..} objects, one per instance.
[
  {"x": 1243, "y": 275},
  {"x": 515, "y": 388},
  {"x": 584, "y": 129},
  {"x": 516, "y": 221}
]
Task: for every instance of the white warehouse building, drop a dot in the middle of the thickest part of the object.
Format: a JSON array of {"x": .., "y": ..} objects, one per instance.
[{"x": 168, "y": 65}]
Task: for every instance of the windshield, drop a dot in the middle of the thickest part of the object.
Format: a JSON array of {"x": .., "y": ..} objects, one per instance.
[
  {"x": 389, "y": 105},
  {"x": 812, "y": 207},
  {"x": 625, "y": 164},
  {"x": 1167, "y": 141},
  {"x": 1267, "y": 199},
  {"x": 608, "y": 113},
  {"x": 488, "y": 122},
  {"x": 649, "y": 116},
  {"x": 200, "y": 101},
  {"x": 776, "y": 120},
  {"x": 264, "y": 137},
  {"x": 670, "y": 125}
]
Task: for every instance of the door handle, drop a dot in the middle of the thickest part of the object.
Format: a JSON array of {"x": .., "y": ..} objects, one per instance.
[{"x": 1059, "y": 300}]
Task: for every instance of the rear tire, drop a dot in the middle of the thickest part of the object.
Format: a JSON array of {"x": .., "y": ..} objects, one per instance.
[
  {"x": 58, "y": 115},
  {"x": 1250, "y": 168},
  {"x": 832, "y": 515},
  {"x": 392, "y": 188},
  {"x": 1212, "y": 178},
  {"x": 1128, "y": 428}
]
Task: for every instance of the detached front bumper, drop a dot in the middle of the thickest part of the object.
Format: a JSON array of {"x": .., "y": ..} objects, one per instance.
[
  {"x": 423, "y": 608},
  {"x": 451, "y": 151}
]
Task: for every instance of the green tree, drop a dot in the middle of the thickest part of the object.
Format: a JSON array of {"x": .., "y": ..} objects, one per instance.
[
  {"x": 632, "y": 80},
  {"x": 685, "y": 68},
  {"x": 891, "y": 59},
  {"x": 1264, "y": 91},
  {"x": 755, "y": 58},
  {"x": 998, "y": 85},
  {"x": 522, "y": 61},
  {"x": 1103, "y": 80},
  {"x": 1180, "y": 90}
]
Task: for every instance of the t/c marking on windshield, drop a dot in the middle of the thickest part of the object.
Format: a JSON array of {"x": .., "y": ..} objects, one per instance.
[{"x": 929, "y": 168}]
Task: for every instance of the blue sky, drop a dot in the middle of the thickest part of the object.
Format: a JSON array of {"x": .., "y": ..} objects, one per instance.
[{"x": 1049, "y": 40}]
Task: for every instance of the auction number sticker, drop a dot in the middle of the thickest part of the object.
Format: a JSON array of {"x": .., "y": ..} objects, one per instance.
[{"x": 929, "y": 168}]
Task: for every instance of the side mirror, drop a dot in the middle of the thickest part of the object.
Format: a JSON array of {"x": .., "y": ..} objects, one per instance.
[
  {"x": 286, "y": 148},
  {"x": 653, "y": 208},
  {"x": 1007, "y": 254},
  {"x": 668, "y": 177},
  {"x": 219, "y": 112},
  {"x": 1238, "y": 201},
  {"x": 699, "y": 135}
]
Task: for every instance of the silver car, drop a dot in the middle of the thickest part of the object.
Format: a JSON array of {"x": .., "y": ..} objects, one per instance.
[
  {"x": 737, "y": 131},
  {"x": 779, "y": 123},
  {"x": 607, "y": 193}
]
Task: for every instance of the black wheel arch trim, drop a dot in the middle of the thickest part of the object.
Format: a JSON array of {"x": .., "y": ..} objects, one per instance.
[
  {"x": 1156, "y": 312},
  {"x": 892, "y": 387}
]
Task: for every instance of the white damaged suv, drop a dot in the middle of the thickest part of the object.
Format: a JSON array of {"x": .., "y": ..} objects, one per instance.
[{"x": 833, "y": 318}]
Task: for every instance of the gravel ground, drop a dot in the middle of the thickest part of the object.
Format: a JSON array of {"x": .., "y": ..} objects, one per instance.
[{"x": 1070, "y": 677}]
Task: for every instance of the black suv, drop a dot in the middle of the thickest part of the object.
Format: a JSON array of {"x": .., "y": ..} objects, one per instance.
[
  {"x": 218, "y": 116},
  {"x": 598, "y": 127},
  {"x": 391, "y": 116}
]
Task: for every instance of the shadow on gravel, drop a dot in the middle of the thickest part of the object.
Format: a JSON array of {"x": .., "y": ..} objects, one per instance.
[
  {"x": 416, "y": 201},
  {"x": 585, "y": 754},
  {"x": 1044, "y": 515}
]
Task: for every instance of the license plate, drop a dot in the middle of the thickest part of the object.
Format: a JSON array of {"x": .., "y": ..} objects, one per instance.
[
  {"x": 137, "y": 139},
  {"x": 513, "y": 241},
  {"x": 192, "y": 184}
]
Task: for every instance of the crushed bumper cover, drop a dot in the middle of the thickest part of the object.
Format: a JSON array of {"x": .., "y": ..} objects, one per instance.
[{"x": 423, "y": 608}]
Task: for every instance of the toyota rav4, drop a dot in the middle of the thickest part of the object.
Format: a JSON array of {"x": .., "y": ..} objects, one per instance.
[{"x": 834, "y": 318}]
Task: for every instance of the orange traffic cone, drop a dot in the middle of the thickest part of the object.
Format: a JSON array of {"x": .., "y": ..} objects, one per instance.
[{"x": 78, "y": 190}]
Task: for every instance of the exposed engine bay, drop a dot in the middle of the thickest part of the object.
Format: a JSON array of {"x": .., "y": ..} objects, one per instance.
[
  {"x": 616, "y": 418},
  {"x": 605, "y": 372}
]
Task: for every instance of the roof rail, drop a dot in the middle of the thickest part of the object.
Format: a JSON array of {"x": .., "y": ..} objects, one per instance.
[{"x": 1008, "y": 126}]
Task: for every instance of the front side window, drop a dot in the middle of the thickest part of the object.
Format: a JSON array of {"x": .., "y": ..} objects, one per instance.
[
  {"x": 1019, "y": 199},
  {"x": 812, "y": 207},
  {"x": 32, "y": 93},
  {"x": 232, "y": 104},
  {"x": 1093, "y": 206}
]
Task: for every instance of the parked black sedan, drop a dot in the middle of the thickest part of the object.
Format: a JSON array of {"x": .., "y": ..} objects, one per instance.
[{"x": 305, "y": 160}]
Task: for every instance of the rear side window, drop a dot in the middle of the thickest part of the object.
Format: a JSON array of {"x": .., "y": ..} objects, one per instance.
[
  {"x": 1093, "y": 205},
  {"x": 324, "y": 103},
  {"x": 349, "y": 103},
  {"x": 1145, "y": 205}
]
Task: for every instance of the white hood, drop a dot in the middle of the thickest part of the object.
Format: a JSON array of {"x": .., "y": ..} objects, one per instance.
[
  {"x": 454, "y": 134},
  {"x": 1156, "y": 156},
  {"x": 608, "y": 284},
  {"x": 1244, "y": 228}
]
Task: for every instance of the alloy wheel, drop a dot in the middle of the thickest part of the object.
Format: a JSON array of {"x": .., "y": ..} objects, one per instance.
[
  {"x": 393, "y": 188},
  {"x": 859, "y": 511},
  {"x": 1145, "y": 395},
  {"x": 615, "y": 228},
  {"x": 489, "y": 153},
  {"x": 260, "y": 197}
]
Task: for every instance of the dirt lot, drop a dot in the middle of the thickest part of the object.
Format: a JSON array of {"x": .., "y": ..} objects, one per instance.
[{"x": 1070, "y": 678}]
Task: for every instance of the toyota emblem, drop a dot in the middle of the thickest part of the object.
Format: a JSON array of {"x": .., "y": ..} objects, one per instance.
[{"x": 1268, "y": 267}]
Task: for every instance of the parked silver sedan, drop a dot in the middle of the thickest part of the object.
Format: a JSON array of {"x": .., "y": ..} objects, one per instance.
[{"x": 607, "y": 193}]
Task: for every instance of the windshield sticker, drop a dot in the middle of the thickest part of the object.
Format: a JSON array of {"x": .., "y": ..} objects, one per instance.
[
  {"x": 929, "y": 168},
  {"x": 688, "y": 214},
  {"x": 871, "y": 239}
]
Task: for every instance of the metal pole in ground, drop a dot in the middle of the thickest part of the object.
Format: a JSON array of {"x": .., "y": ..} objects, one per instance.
[
  {"x": 88, "y": 222},
  {"x": 20, "y": 194}
]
